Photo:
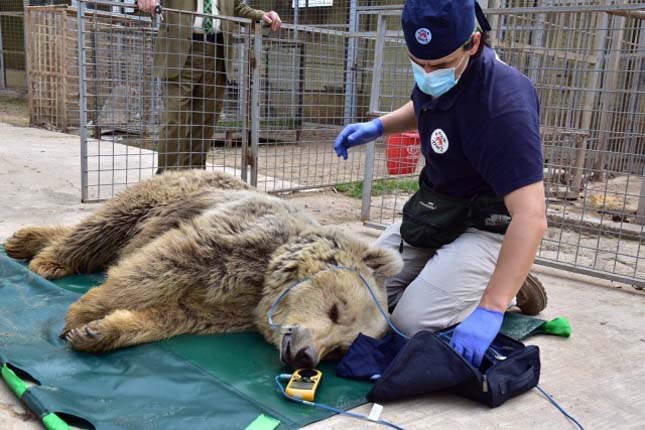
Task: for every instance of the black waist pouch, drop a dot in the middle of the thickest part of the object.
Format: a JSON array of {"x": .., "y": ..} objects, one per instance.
[
  {"x": 489, "y": 213},
  {"x": 431, "y": 220},
  {"x": 428, "y": 364}
]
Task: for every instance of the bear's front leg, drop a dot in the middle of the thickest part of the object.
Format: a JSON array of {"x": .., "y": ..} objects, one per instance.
[{"x": 123, "y": 328}]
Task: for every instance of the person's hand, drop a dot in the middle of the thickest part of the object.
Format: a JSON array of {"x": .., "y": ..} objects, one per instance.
[
  {"x": 357, "y": 134},
  {"x": 147, "y": 6},
  {"x": 273, "y": 19},
  {"x": 474, "y": 335}
]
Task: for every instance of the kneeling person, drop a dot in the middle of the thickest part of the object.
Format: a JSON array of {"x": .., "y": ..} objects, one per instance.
[{"x": 470, "y": 234}]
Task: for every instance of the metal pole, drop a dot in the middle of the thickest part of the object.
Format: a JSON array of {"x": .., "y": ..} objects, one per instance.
[
  {"x": 25, "y": 3},
  {"x": 350, "y": 65},
  {"x": 3, "y": 83},
  {"x": 296, "y": 83},
  {"x": 493, "y": 20},
  {"x": 639, "y": 14},
  {"x": 639, "y": 83},
  {"x": 367, "y": 182},
  {"x": 538, "y": 44},
  {"x": 608, "y": 89},
  {"x": 255, "y": 108},
  {"x": 296, "y": 12},
  {"x": 82, "y": 100},
  {"x": 641, "y": 202},
  {"x": 637, "y": 283},
  {"x": 374, "y": 105},
  {"x": 243, "y": 103},
  {"x": 635, "y": 98},
  {"x": 588, "y": 105},
  {"x": 377, "y": 70}
]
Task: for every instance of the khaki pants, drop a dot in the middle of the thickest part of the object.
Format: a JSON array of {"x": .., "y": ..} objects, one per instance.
[
  {"x": 192, "y": 103},
  {"x": 439, "y": 288}
]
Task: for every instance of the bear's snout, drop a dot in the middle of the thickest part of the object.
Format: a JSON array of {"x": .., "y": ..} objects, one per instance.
[
  {"x": 306, "y": 358},
  {"x": 298, "y": 350}
]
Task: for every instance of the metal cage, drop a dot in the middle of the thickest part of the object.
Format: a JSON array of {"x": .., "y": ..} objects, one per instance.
[{"x": 588, "y": 65}]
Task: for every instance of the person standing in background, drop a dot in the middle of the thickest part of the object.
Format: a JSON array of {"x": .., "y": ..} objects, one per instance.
[{"x": 193, "y": 57}]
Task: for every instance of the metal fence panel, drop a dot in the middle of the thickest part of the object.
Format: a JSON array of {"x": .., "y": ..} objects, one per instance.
[
  {"x": 304, "y": 103},
  {"x": 589, "y": 68},
  {"x": 13, "y": 29},
  {"x": 126, "y": 108},
  {"x": 12, "y": 45},
  {"x": 52, "y": 52},
  {"x": 283, "y": 107}
]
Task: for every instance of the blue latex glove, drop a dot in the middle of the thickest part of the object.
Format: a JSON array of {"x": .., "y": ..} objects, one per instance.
[
  {"x": 357, "y": 134},
  {"x": 474, "y": 335}
]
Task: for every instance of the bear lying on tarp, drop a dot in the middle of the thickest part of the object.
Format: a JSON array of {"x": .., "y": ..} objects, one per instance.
[{"x": 202, "y": 252}]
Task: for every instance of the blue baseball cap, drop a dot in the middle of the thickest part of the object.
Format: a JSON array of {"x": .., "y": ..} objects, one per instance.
[{"x": 436, "y": 28}]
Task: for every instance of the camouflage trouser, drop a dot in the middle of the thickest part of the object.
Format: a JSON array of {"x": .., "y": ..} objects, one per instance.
[
  {"x": 192, "y": 103},
  {"x": 439, "y": 288}
]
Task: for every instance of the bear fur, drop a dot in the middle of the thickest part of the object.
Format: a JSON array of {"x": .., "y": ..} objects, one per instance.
[{"x": 202, "y": 252}]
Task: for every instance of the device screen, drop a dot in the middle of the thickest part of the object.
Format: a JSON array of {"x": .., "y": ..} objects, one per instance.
[{"x": 299, "y": 385}]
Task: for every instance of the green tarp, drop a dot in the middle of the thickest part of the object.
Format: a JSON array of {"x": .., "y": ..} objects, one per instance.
[{"x": 189, "y": 382}]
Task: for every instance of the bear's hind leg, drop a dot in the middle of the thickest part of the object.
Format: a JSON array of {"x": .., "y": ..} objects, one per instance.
[
  {"x": 89, "y": 247},
  {"x": 123, "y": 328},
  {"x": 29, "y": 241},
  {"x": 97, "y": 241}
]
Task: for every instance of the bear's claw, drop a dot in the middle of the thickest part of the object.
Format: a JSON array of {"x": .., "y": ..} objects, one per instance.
[{"x": 88, "y": 337}]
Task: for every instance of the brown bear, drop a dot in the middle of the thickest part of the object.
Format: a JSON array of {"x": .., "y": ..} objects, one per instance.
[{"x": 202, "y": 252}]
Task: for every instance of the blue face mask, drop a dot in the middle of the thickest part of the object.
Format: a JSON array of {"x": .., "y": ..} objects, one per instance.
[{"x": 434, "y": 83}]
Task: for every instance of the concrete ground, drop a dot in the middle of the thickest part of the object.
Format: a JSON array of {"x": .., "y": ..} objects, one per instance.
[{"x": 597, "y": 374}]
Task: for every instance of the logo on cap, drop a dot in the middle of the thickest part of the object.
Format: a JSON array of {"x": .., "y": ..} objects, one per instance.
[{"x": 423, "y": 36}]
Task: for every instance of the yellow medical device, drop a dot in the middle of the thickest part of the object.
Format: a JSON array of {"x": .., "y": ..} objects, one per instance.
[{"x": 303, "y": 384}]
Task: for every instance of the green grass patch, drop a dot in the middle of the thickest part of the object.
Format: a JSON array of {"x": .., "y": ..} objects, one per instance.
[{"x": 379, "y": 187}]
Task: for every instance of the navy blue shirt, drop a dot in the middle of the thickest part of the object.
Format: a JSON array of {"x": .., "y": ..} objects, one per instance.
[{"x": 483, "y": 135}]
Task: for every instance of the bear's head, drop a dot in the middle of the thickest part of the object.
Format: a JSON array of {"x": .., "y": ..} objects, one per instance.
[{"x": 330, "y": 306}]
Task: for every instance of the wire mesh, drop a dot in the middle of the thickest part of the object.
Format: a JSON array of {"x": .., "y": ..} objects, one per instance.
[
  {"x": 12, "y": 47},
  {"x": 589, "y": 68},
  {"x": 304, "y": 102},
  {"x": 13, "y": 61},
  {"x": 144, "y": 111},
  {"x": 52, "y": 67},
  {"x": 297, "y": 82}
]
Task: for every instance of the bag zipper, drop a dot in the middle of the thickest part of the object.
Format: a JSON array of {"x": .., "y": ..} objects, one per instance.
[
  {"x": 484, "y": 383},
  {"x": 527, "y": 350},
  {"x": 419, "y": 220}
]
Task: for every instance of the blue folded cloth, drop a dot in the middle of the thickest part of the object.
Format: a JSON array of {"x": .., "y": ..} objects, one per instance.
[{"x": 368, "y": 358}]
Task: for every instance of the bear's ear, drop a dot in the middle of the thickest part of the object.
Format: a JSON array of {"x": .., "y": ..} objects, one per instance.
[{"x": 384, "y": 261}]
